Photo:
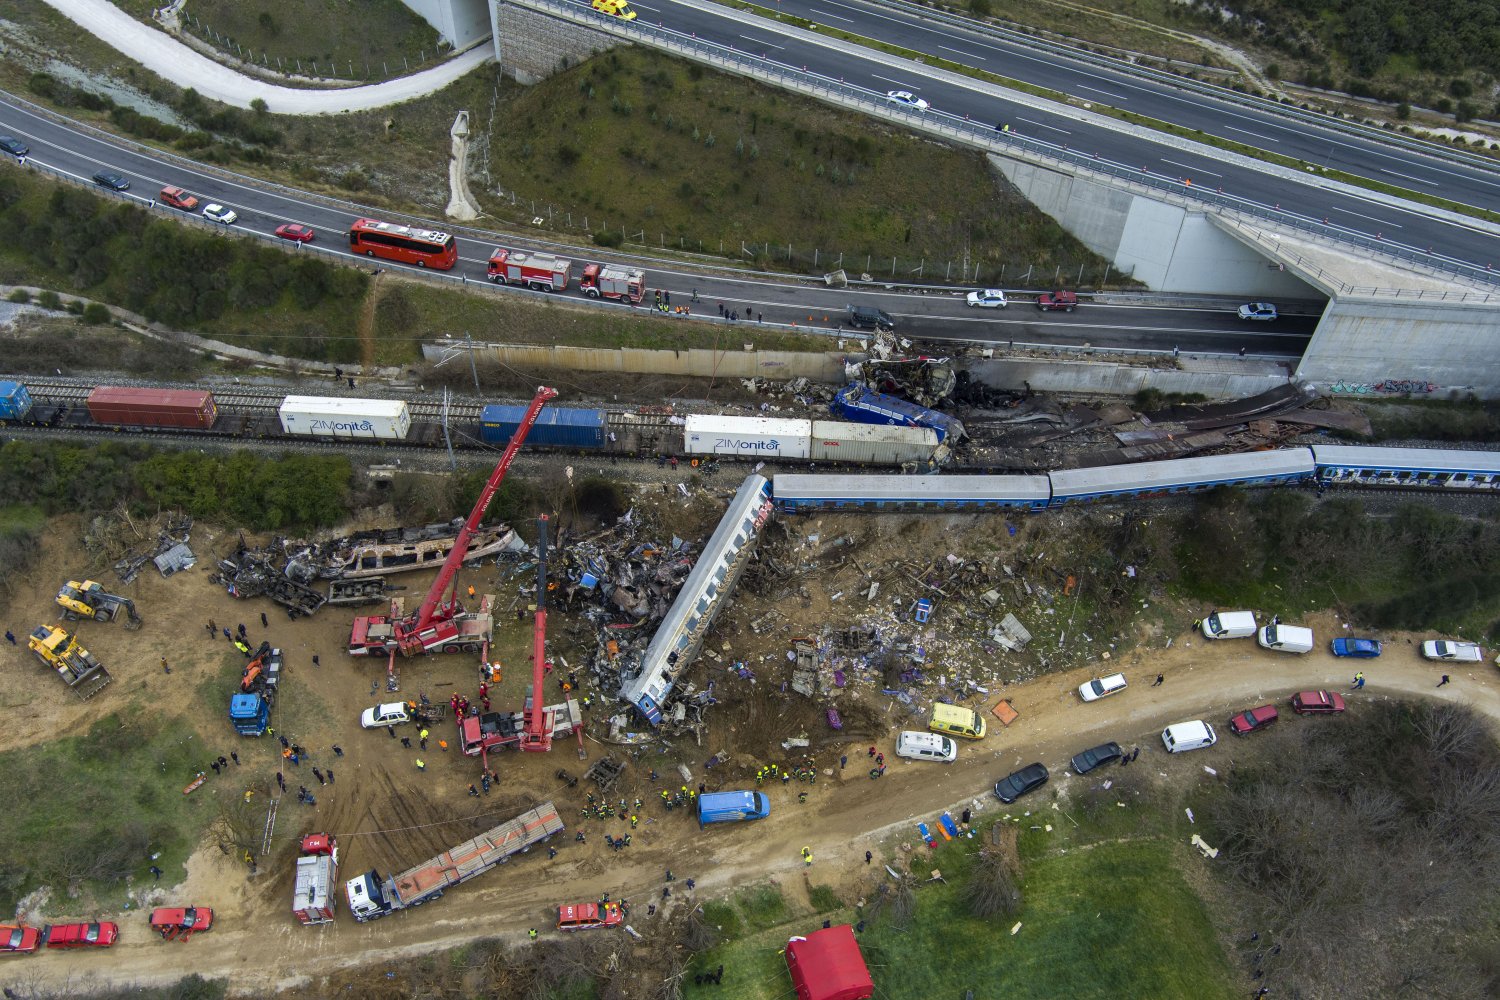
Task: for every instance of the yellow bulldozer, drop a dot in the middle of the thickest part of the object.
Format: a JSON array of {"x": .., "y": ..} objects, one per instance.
[
  {"x": 89, "y": 600},
  {"x": 78, "y": 668}
]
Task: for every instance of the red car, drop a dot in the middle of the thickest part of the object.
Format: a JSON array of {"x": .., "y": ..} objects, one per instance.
[
  {"x": 1054, "y": 301},
  {"x": 1317, "y": 703},
  {"x": 178, "y": 198},
  {"x": 100, "y": 934},
  {"x": 18, "y": 939},
  {"x": 296, "y": 232},
  {"x": 1253, "y": 720},
  {"x": 180, "y": 923}
]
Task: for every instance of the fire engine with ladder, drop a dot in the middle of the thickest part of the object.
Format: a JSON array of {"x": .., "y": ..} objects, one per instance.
[
  {"x": 533, "y": 728},
  {"x": 445, "y": 626}
]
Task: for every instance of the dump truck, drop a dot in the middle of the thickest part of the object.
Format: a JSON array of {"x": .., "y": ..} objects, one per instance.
[
  {"x": 371, "y": 897},
  {"x": 250, "y": 706},
  {"x": 315, "y": 896},
  {"x": 78, "y": 668},
  {"x": 616, "y": 283},
  {"x": 89, "y": 600},
  {"x": 540, "y": 271}
]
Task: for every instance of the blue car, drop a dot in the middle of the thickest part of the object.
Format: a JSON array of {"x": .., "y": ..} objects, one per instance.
[{"x": 1365, "y": 649}]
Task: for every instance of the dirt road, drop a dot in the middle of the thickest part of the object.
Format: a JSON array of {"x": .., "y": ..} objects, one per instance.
[{"x": 258, "y": 947}]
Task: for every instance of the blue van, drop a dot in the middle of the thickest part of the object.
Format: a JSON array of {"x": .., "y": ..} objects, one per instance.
[{"x": 730, "y": 807}]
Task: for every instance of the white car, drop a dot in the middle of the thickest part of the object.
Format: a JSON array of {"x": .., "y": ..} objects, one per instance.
[
  {"x": 906, "y": 99},
  {"x": 989, "y": 298},
  {"x": 218, "y": 213},
  {"x": 1447, "y": 649},
  {"x": 1101, "y": 687},
  {"x": 1262, "y": 311},
  {"x": 392, "y": 713}
]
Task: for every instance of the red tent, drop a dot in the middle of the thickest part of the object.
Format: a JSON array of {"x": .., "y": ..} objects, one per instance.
[{"x": 827, "y": 965}]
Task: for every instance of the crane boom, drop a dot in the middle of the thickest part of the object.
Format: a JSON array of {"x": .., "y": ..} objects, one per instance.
[
  {"x": 538, "y": 735},
  {"x": 461, "y": 543}
]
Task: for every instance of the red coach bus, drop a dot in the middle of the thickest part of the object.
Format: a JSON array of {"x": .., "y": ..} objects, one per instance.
[{"x": 422, "y": 247}]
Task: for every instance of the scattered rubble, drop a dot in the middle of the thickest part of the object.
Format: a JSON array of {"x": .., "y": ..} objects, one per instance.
[{"x": 116, "y": 537}]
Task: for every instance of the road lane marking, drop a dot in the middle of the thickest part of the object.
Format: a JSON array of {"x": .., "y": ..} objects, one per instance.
[
  {"x": 1040, "y": 125},
  {"x": 1184, "y": 166},
  {"x": 1393, "y": 225},
  {"x": 1096, "y": 90},
  {"x": 966, "y": 55},
  {"x": 1264, "y": 138}
]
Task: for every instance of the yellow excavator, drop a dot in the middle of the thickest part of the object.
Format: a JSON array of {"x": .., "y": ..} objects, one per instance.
[
  {"x": 89, "y": 600},
  {"x": 78, "y": 668}
]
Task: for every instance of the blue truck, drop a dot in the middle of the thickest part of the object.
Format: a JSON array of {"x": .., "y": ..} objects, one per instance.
[
  {"x": 250, "y": 706},
  {"x": 731, "y": 807},
  {"x": 15, "y": 401}
]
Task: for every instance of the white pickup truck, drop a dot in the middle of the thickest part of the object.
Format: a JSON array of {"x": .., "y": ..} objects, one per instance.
[{"x": 1447, "y": 649}]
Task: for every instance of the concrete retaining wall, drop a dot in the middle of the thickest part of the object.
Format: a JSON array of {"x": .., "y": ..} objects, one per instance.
[
  {"x": 531, "y": 47},
  {"x": 1106, "y": 378},
  {"x": 693, "y": 363},
  {"x": 1388, "y": 347},
  {"x": 460, "y": 23}
]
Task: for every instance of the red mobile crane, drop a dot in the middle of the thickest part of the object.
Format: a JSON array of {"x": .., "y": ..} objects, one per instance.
[
  {"x": 533, "y": 728},
  {"x": 444, "y": 626}
]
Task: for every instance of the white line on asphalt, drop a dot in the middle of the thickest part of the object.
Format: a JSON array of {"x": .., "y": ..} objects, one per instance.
[
  {"x": 1095, "y": 90},
  {"x": 758, "y": 41},
  {"x": 1409, "y": 177},
  {"x": 966, "y": 55},
  {"x": 824, "y": 13},
  {"x": 1040, "y": 125},
  {"x": 1257, "y": 135},
  {"x": 1393, "y": 225},
  {"x": 1186, "y": 167},
  {"x": 900, "y": 83}
]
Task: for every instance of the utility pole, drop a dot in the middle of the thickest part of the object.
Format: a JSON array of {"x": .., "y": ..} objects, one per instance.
[
  {"x": 452, "y": 461},
  {"x": 473, "y": 370}
]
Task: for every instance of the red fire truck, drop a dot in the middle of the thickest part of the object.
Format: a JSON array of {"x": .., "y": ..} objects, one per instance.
[
  {"x": 613, "y": 283},
  {"x": 313, "y": 898},
  {"x": 534, "y": 270},
  {"x": 587, "y": 916}
]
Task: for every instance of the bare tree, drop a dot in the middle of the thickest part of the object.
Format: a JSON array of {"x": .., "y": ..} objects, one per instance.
[
  {"x": 896, "y": 902},
  {"x": 990, "y": 890}
]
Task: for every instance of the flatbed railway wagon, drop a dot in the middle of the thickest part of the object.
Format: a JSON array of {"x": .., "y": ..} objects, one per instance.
[{"x": 371, "y": 897}]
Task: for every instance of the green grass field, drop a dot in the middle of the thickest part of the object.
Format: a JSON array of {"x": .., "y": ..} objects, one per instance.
[{"x": 112, "y": 795}]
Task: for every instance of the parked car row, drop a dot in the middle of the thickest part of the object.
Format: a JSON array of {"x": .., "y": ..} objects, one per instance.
[
  {"x": 172, "y": 923},
  {"x": 1285, "y": 638}
]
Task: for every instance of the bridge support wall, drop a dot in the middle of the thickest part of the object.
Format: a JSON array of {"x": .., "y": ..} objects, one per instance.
[
  {"x": 531, "y": 47},
  {"x": 1389, "y": 347},
  {"x": 1169, "y": 247}
]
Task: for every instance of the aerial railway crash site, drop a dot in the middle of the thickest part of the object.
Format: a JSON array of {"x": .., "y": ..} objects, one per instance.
[{"x": 722, "y": 620}]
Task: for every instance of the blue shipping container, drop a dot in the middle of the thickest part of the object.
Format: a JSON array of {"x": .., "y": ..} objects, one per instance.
[
  {"x": 556, "y": 427},
  {"x": 15, "y": 401}
]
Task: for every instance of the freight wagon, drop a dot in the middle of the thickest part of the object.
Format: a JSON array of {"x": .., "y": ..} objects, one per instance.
[
  {"x": 15, "y": 401},
  {"x": 871, "y": 444},
  {"x": 556, "y": 427},
  {"x": 356, "y": 419},
  {"x": 747, "y": 437},
  {"x": 152, "y": 407}
]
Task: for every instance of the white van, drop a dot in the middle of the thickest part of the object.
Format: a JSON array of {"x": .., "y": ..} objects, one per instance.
[
  {"x": 926, "y": 746},
  {"x": 1286, "y": 638},
  {"x": 1229, "y": 625},
  {"x": 1185, "y": 736}
]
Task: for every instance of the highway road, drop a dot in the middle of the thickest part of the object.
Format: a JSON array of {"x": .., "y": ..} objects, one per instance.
[
  {"x": 1410, "y": 225},
  {"x": 79, "y": 153}
]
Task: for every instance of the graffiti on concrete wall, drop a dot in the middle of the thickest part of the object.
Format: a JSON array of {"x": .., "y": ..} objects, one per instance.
[{"x": 1391, "y": 386}]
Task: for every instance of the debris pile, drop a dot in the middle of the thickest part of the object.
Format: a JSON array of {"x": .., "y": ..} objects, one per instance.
[
  {"x": 118, "y": 538},
  {"x": 257, "y": 572}
]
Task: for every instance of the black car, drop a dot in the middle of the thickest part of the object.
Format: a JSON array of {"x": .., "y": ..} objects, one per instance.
[
  {"x": 1013, "y": 786},
  {"x": 111, "y": 180},
  {"x": 1104, "y": 753},
  {"x": 15, "y": 147}
]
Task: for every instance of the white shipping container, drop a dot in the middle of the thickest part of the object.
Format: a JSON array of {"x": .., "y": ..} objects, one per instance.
[
  {"x": 876, "y": 444},
  {"x": 749, "y": 437},
  {"x": 320, "y": 416}
]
